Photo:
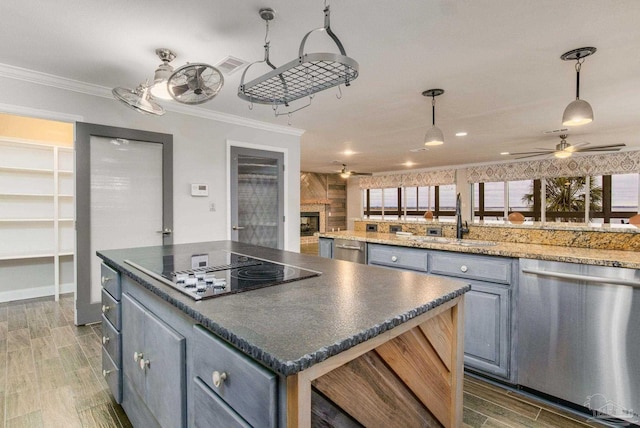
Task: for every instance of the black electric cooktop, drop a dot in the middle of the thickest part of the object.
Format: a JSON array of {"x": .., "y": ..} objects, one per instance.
[{"x": 218, "y": 273}]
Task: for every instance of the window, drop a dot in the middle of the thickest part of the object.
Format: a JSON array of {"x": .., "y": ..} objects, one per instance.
[
  {"x": 415, "y": 200},
  {"x": 612, "y": 198}
]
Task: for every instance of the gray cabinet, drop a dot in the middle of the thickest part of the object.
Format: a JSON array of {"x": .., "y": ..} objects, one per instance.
[
  {"x": 111, "y": 323},
  {"x": 398, "y": 257},
  {"x": 325, "y": 248},
  {"x": 486, "y": 329},
  {"x": 489, "y": 326},
  {"x": 237, "y": 387},
  {"x": 488, "y": 309},
  {"x": 154, "y": 363}
]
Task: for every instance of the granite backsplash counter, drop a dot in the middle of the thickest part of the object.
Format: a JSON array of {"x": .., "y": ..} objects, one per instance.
[{"x": 568, "y": 253}]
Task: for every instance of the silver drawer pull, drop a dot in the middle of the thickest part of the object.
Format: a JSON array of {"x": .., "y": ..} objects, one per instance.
[
  {"x": 105, "y": 308},
  {"x": 106, "y": 372},
  {"x": 349, "y": 247},
  {"x": 105, "y": 340},
  {"x": 105, "y": 279},
  {"x": 218, "y": 378},
  {"x": 137, "y": 356},
  {"x": 144, "y": 364},
  {"x": 394, "y": 258},
  {"x": 463, "y": 268}
]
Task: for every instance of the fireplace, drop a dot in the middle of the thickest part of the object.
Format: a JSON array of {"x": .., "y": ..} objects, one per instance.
[{"x": 309, "y": 223}]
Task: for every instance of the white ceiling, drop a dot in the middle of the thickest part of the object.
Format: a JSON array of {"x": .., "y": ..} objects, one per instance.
[{"x": 498, "y": 61}]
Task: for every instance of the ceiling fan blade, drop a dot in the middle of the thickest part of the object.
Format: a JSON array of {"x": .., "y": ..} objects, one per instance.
[
  {"x": 360, "y": 173},
  {"x": 531, "y": 155},
  {"x": 608, "y": 147},
  {"x": 179, "y": 90},
  {"x": 535, "y": 152}
]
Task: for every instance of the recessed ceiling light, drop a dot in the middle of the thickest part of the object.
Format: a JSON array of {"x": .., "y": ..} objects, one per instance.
[
  {"x": 504, "y": 153},
  {"x": 409, "y": 163},
  {"x": 461, "y": 134},
  {"x": 348, "y": 152}
]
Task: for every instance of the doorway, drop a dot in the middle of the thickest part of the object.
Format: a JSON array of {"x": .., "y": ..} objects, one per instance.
[
  {"x": 257, "y": 197},
  {"x": 124, "y": 199}
]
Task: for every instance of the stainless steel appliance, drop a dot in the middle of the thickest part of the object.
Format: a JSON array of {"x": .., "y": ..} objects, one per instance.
[
  {"x": 579, "y": 336},
  {"x": 218, "y": 273},
  {"x": 351, "y": 251}
]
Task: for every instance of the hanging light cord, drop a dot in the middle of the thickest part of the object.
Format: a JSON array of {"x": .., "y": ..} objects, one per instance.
[
  {"x": 578, "y": 67},
  {"x": 433, "y": 110}
]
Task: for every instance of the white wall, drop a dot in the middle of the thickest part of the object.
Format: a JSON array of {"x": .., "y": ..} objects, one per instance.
[
  {"x": 354, "y": 201},
  {"x": 199, "y": 152}
]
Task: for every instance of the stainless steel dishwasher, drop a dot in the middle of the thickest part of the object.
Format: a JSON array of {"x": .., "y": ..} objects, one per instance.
[
  {"x": 579, "y": 335},
  {"x": 352, "y": 251}
]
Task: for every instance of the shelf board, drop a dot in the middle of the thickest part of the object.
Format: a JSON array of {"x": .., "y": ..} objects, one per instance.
[
  {"x": 27, "y": 256},
  {"x": 65, "y": 196},
  {"x": 65, "y": 219},
  {"x": 28, "y": 195},
  {"x": 25, "y": 220},
  {"x": 66, "y": 254},
  {"x": 18, "y": 169},
  {"x": 65, "y": 171}
]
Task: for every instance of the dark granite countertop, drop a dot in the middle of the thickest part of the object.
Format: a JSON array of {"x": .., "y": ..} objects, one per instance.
[{"x": 290, "y": 327}]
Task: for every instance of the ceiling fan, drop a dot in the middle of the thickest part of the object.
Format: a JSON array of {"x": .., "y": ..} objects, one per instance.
[
  {"x": 565, "y": 150},
  {"x": 345, "y": 173}
]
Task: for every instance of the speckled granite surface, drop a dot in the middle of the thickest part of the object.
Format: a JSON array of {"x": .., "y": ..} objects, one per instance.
[
  {"x": 603, "y": 237},
  {"x": 290, "y": 327},
  {"x": 570, "y": 254}
]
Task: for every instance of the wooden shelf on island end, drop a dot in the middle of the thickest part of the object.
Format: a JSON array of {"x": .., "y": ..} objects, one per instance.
[{"x": 408, "y": 376}]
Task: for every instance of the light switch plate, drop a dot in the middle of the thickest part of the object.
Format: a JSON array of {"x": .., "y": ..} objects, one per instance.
[{"x": 199, "y": 189}]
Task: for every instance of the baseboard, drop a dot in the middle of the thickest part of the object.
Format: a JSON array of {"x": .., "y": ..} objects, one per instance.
[{"x": 30, "y": 293}]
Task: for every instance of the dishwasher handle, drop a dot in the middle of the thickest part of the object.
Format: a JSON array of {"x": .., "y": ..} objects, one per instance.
[
  {"x": 349, "y": 247},
  {"x": 585, "y": 278}
]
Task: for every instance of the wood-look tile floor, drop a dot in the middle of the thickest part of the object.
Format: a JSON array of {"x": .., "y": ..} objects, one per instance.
[
  {"x": 51, "y": 376},
  {"x": 488, "y": 405},
  {"x": 50, "y": 370}
]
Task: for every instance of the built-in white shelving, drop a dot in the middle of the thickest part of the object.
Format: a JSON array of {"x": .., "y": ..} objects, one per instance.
[{"x": 37, "y": 228}]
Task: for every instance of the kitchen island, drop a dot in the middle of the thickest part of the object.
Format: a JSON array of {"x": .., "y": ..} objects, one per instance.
[{"x": 355, "y": 343}]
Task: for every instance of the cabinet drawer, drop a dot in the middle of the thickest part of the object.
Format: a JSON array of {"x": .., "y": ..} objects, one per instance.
[
  {"x": 111, "y": 309},
  {"x": 113, "y": 376},
  {"x": 112, "y": 341},
  {"x": 398, "y": 257},
  {"x": 210, "y": 410},
  {"x": 483, "y": 268},
  {"x": 250, "y": 389},
  {"x": 110, "y": 280}
]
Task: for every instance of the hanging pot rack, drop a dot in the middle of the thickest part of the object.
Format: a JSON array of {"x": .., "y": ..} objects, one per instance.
[{"x": 305, "y": 76}]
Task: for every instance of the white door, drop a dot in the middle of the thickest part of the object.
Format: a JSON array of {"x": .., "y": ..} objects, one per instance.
[{"x": 127, "y": 202}]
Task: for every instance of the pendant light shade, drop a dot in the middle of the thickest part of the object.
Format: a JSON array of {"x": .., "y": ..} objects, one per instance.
[
  {"x": 578, "y": 112},
  {"x": 434, "y": 135}
]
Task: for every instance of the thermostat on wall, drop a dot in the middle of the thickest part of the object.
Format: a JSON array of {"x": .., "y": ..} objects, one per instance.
[{"x": 199, "y": 190}]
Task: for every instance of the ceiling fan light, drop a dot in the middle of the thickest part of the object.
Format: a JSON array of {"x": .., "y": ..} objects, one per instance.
[
  {"x": 578, "y": 112},
  {"x": 345, "y": 175},
  {"x": 160, "y": 80},
  {"x": 433, "y": 137},
  {"x": 562, "y": 154}
]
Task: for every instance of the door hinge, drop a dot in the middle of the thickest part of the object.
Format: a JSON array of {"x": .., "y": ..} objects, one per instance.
[
  {"x": 282, "y": 167},
  {"x": 283, "y": 218}
]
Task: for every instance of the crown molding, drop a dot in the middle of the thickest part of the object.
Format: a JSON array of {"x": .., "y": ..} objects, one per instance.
[{"x": 40, "y": 78}]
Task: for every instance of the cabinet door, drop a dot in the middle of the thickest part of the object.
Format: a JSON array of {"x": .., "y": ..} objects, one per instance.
[
  {"x": 486, "y": 329},
  {"x": 165, "y": 379},
  {"x": 132, "y": 341},
  {"x": 325, "y": 248}
]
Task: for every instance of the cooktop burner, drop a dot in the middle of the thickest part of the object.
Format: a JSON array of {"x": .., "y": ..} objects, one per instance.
[{"x": 218, "y": 273}]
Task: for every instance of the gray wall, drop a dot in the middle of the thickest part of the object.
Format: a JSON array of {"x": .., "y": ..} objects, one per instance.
[{"x": 200, "y": 151}]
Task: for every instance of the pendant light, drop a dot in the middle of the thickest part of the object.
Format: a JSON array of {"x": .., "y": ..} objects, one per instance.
[
  {"x": 434, "y": 136},
  {"x": 578, "y": 112}
]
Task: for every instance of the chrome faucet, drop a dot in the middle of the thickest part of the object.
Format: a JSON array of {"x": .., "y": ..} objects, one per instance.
[{"x": 460, "y": 230}]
